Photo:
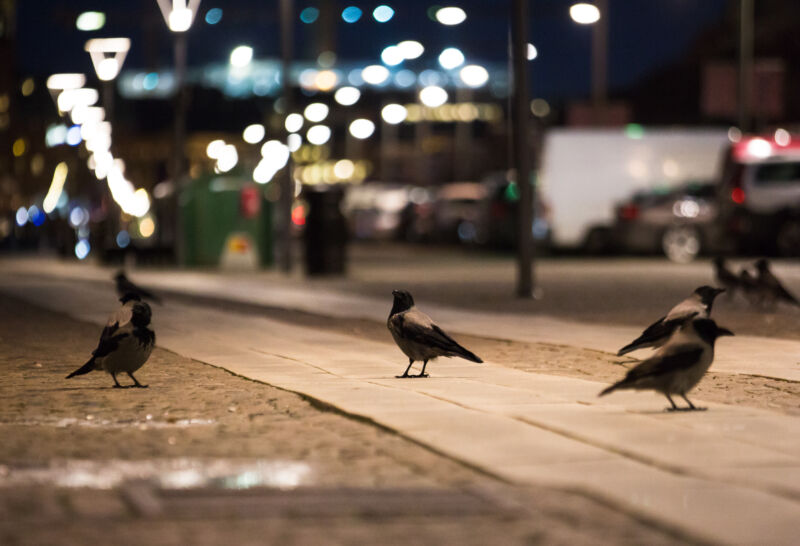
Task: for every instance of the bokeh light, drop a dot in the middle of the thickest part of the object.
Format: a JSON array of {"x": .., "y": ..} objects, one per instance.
[
  {"x": 451, "y": 16},
  {"x": 318, "y": 134},
  {"x": 394, "y": 113},
  {"x": 213, "y": 16},
  {"x": 347, "y": 96},
  {"x": 362, "y": 128},
  {"x": 451, "y": 58},
  {"x": 241, "y": 56},
  {"x": 584, "y": 14},
  {"x": 432, "y": 96},
  {"x": 351, "y": 14},
  {"x": 254, "y": 134},
  {"x": 316, "y": 112},
  {"x": 383, "y": 13},
  {"x": 293, "y": 123},
  {"x": 309, "y": 15}
]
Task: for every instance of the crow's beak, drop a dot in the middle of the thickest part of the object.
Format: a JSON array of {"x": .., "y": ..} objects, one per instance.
[
  {"x": 724, "y": 332},
  {"x": 718, "y": 291},
  {"x": 395, "y": 292}
]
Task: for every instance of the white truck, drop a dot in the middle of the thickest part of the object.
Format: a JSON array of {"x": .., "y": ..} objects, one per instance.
[{"x": 585, "y": 172}]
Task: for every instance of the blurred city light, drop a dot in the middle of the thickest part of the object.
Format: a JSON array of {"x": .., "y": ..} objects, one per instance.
[
  {"x": 87, "y": 114},
  {"x": 293, "y": 123},
  {"x": 474, "y": 75},
  {"x": 254, "y": 134},
  {"x": 411, "y": 49},
  {"x": 347, "y": 96},
  {"x": 27, "y": 87},
  {"x": 294, "y": 141},
  {"x": 309, "y": 15},
  {"x": 532, "y": 52},
  {"x": 56, "y": 187},
  {"x": 451, "y": 16},
  {"x": 351, "y": 14},
  {"x": 634, "y": 131},
  {"x": 734, "y": 134},
  {"x": 73, "y": 135},
  {"x": 178, "y": 14},
  {"x": 275, "y": 156},
  {"x": 241, "y": 56},
  {"x": 394, "y": 113},
  {"x": 36, "y": 216},
  {"x": 383, "y": 13},
  {"x": 584, "y": 14},
  {"x": 82, "y": 249},
  {"x": 758, "y": 147},
  {"x": 782, "y": 137},
  {"x": 147, "y": 227},
  {"x": 65, "y": 81},
  {"x": 213, "y": 16},
  {"x": 325, "y": 80},
  {"x": 344, "y": 169},
  {"x": 55, "y": 135},
  {"x": 392, "y": 55},
  {"x": 78, "y": 216},
  {"x": 451, "y": 58},
  {"x": 90, "y": 20},
  {"x": 433, "y": 96},
  {"x": 70, "y": 98},
  {"x": 228, "y": 158},
  {"x": 362, "y": 128},
  {"x": 107, "y": 67},
  {"x": 318, "y": 134},
  {"x": 405, "y": 78},
  {"x": 21, "y": 216},
  {"x": 540, "y": 108},
  {"x": 19, "y": 147},
  {"x": 123, "y": 239},
  {"x": 375, "y": 74},
  {"x": 214, "y": 148},
  {"x": 316, "y": 112}
]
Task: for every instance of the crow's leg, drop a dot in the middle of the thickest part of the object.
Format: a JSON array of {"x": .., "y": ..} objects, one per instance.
[
  {"x": 692, "y": 407},
  {"x": 422, "y": 373},
  {"x": 116, "y": 383},
  {"x": 136, "y": 383},
  {"x": 405, "y": 373},
  {"x": 671, "y": 401}
]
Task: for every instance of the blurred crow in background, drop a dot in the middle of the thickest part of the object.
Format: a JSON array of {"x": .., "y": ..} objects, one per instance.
[
  {"x": 770, "y": 289},
  {"x": 726, "y": 278},
  {"x": 125, "y": 286}
]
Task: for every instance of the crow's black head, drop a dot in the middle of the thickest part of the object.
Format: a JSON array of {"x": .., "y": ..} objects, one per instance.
[
  {"x": 120, "y": 276},
  {"x": 141, "y": 314},
  {"x": 708, "y": 293},
  {"x": 708, "y": 330},
  {"x": 402, "y": 301},
  {"x": 130, "y": 296},
  {"x": 762, "y": 265}
]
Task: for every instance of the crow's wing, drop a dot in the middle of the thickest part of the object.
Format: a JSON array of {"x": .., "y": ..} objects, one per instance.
[
  {"x": 676, "y": 358},
  {"x": 108, "y": 344}
]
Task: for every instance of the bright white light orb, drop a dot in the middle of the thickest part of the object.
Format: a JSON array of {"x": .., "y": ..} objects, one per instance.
[
  {"x": 180, "y": 19},
  {"x": 394, "y": 113},
  {"x": 392, "y": 55},
  {"x": 316, "y": 112},
  {"x": 253, "y": 134},
  {"x": 375, "y": 74},
  {"x": 782, "y": 137},
  {"x": 214, "y": 148},
  {"x": 241, "y": 56},
  {"x": 344, "y": 169},
  {"x": 347, "y": 96},
  {"x": 294, "y": 141},
  {"x": 107, "y": 69},
  {"x": 228, "y": 158},
  {"x": 451, "y": 16},
  {"x": 532, "y": 52},
  {"x": 362, "y": 128},
  {"x": 474, "y": 75},
  {"x": 451, "y": 58},
  {"x": 584, "y": 14},
  {"x": 318, "y": 134},
  {"x": 293, "y": 123},
  {"x": 411, "y": 49},
  {"x": 758, "y": 147},
  {"x": 433, "y": 96}
]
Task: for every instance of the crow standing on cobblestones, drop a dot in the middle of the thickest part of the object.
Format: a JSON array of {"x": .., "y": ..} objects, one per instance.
[
  {"x": 125, "y": 287},
  {"x": 770, "y": 289},
  {"x": 125, "y": 343},
  {"x": 418, "y": 337},
  {"x": 679, "y": 365},
  {"x": 655, "y": 335}
]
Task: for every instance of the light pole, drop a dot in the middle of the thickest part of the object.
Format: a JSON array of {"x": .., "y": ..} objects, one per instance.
[
  {"x": 108, "y": 56},
  {"x": 745, "y": 64},
  {"x": 284, "y": 213},
  {"x": 596, "y": 14},
  {"x": 179, "y": 16}
]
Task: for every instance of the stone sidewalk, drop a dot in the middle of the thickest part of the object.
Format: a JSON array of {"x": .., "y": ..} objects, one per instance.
[{"x": 728, "y": 475}]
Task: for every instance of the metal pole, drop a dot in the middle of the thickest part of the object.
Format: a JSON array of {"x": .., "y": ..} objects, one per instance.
[
  {"x": 179, "y": 145},
  {"x": 746, "y": 65},
  {"x": 519, "y": 117},
  {"x": 284, "y": 212},
  {"x": 600, "y": 57},
  {"x": 462, "y": 152}
]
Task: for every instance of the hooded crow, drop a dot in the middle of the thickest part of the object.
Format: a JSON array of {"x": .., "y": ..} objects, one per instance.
[
  {"x": 726, "y": 278},
  {"x": 125, "y": 287},
  {"x": 679, "y": 365},
  {"x": 125, "y": 343},
  {"x": 655, "y": 335},
  {"x": 418, "y": 337},
  {"x": 770, "y": 288},
  {"x": 749, "y": 287}
]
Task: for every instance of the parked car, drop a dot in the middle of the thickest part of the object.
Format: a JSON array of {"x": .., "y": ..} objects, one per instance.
[
  {"x": 374, "y": 210},
  {"x": 675, "y": 221},
  {"x": 759, "y": 197}
]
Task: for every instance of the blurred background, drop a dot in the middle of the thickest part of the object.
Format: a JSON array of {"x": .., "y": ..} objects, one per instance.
[{"x": 225, "y": 134}]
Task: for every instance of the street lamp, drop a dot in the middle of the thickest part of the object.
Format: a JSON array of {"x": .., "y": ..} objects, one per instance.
[
  {"x": 179, "y": 16},
  {"x": 596, "y": 14},
  {"x": 108, "y": 55}
]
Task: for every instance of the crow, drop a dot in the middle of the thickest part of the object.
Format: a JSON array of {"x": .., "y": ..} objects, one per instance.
[
  {"x": 726, "y": 278},
  {"x": 770, "y": 288},
  {"x": 125, "y": 286}
]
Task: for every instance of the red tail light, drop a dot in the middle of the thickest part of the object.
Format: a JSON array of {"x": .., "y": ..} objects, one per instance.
[
  {"x": 736, "y": 182},
  {"x": 737, "y": 195},
  {"x": 629, "y": 212}
]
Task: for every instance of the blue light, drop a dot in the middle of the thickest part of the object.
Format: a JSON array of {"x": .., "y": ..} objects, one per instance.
[
  {"x": 213, "y": 16},
  {"x": 82, "y": 249},
  {"x": 123, "y": 239},
  {"x": 405, "y": 78},
  {"x": 74, "y": 135},
  {"x": 383, "y": 13},
  {"x": 36, "y": 216},
  {"x": 22, "y": 216},
  {"x": 309, "y": 15},
  {"x": 351, "y": 14},
  {"x": 150, "y": 81}
]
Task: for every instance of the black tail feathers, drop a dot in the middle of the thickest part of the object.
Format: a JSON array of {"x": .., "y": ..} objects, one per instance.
[
  {"x": 86, "y": 368},
  {"x": 612, "y": 388},
  {"x": 469, "y": 355}
]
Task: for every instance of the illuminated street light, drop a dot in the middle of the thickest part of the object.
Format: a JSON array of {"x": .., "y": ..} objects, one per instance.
[
  {"x": 383, "y": 13},
  {"x": 375, "y": 74},
  {"x": 108, "y": 55},
  {"x": 532, "y": 52},
  {"x": 179, "y": 14},
  {"x": 318, "y": 134},
  {"x": 474, "y": 75},
  {"x": 394, "y": 113},
  {"x": 451, "y": 58},
  {"x": 362, "y": 128},
  {"x": 392, "y": 55},
  {"x": 90, "y": 20},
  {"x": 411, "y": 49},
  {"x": 60, "y": 82},
  {"x": 56, "y": 187},
  {"x": 293, "y": 123},
  {"x": 584, "y": 14},
  {"x": 347, "y": 96},
  {"x": 253, "y": 134},
  {"x": 214, "y": 148},
  {"x": 451, "y": 16},
  {"x": 433, "y": 96},
  {"x": 70, "y": 98},
  {"x": 316, "y": 112},
  {"x": 241, "y": 56}
]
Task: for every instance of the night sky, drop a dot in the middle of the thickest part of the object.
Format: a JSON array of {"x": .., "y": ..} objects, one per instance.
[{"x": 643, "y": 35}]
